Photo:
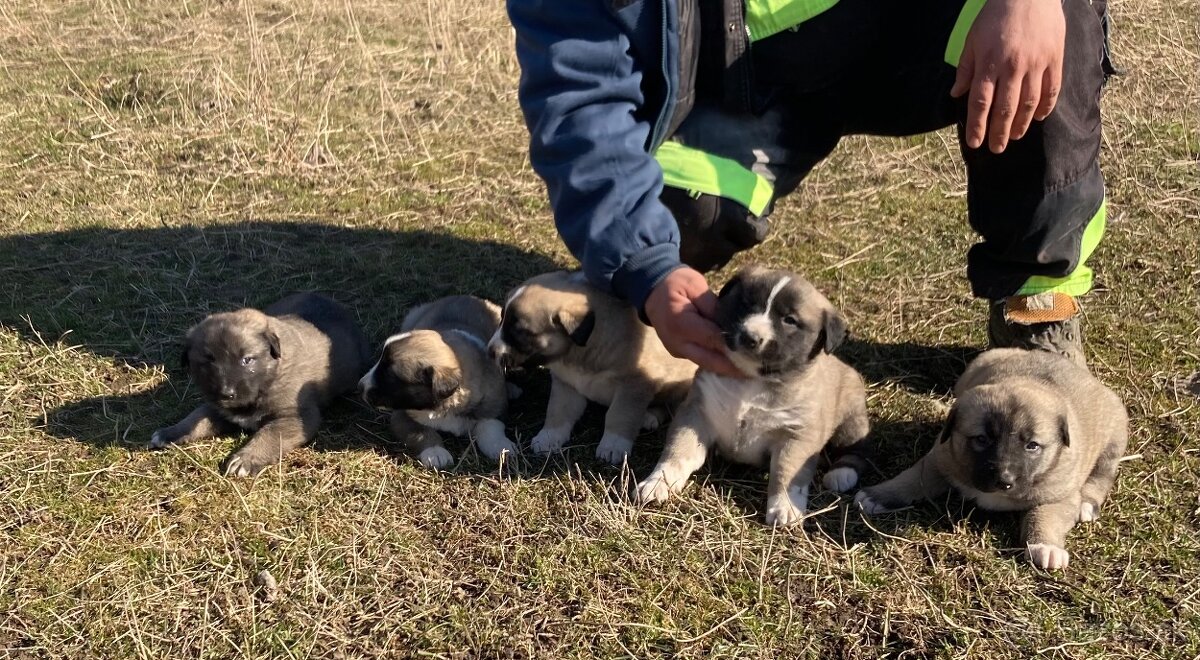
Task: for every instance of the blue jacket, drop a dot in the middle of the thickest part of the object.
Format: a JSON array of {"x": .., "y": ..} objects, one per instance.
[{"x": 593, "y": 130}]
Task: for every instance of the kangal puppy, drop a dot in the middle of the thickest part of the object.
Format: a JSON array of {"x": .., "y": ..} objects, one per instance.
[
  {"x": 796, "y": 400},
  {"x": 1030, "y": 431},
  {"x": 436, "y": 376},
  {"x": 269, "y": 372},
  {"x": 596, "y": 349}
]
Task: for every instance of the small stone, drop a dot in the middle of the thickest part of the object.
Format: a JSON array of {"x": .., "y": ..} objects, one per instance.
[{"x": 268, "y": 587}]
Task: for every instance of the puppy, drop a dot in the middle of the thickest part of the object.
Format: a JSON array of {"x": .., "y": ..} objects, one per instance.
[
  {"x": 436, "y": 376},
  {"x": 596, "y": 350},
  {"x": 270, "y": 373},
  {"x": 1030, "y": 431},
  {"x": 796, "y": 400}
]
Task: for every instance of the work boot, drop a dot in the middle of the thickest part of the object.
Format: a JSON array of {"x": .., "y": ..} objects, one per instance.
[{"x": 1044, "y": 321}]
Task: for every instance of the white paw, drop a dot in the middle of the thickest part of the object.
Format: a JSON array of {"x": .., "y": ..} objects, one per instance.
[
  {"x": 436, "y": 458},
  {"x": 840, "y": 479},
  {"x": 787, "y": 509},
  {"x": 494, "y": 449},
  {"x": 514, "y": 392},
  {"x": 159, "y": 440},
  {"x": 868, "y": 505},
  {"x": 656, "y": 488},
  {"x": 1048, "y": 557},
  {"x": 614, "y": 448},
  {"x": 654, "y": 419},
  {"x": 549, "y": 440},
  {"x": 1088, "y": 512}
]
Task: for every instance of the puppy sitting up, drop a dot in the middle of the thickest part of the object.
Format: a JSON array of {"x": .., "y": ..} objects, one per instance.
[
  {"x": 1030, "y": 431},
  {"x": 271, "y": 373},
  {"x": 436, "y": 376},
  {"x": 596, "y": 350},
  {"x": 796, "y": 399}
]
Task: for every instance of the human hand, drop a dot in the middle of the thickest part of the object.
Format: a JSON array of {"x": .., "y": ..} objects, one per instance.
[
  {"x": 1012, "y": 66},
  {"x": 681, "y": 309}
]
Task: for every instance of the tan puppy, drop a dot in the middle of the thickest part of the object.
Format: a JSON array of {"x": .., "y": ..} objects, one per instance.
[
  {"x": 436, "y": 376},
  {"x": 270, "y": 372},
  {"x": 796, "y": 400},
  {"x": 1030, "y": 431},
  {"x": 596, "y": 350}
]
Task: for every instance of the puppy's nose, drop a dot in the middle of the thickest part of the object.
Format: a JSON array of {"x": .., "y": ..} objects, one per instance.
[
  {"x": 1006, "y": 480},
  {"x": 498, "y": 352},
  {"x": 228, "y": 393},
  {"x": 749, "y": 339}
]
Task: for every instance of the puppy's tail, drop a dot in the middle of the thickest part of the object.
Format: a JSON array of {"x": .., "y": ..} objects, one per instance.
[{"x": 849, "y": 452}]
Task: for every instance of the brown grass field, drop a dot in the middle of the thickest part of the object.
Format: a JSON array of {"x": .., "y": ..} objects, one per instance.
[{"x": 162, "y": 160}]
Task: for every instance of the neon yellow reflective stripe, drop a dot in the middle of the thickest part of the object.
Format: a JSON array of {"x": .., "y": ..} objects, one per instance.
[
  {"x": 767, "y": 17},
  {"x": 692, "y": 169},
  {"x": 958, "y": 36},
  {"x": 1079, "y": 281}
]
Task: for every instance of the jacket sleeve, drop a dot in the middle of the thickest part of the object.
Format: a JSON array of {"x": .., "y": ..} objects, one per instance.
[{"x": 580, "y": 91}]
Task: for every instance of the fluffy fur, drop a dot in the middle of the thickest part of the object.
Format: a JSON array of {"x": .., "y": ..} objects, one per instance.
[
  {"x": 436, "y": 376},
  {"x": 270, "y": 373},
  {"x": 796, "y": 400},
  {"x": 596, "y": 350},
  {"x": 1030, "y": 431}
]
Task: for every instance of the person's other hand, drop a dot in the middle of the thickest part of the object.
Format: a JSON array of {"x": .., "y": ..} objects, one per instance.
[
  {"x": 681, "y": 309},
  {"x": 1012, "y": 66}
]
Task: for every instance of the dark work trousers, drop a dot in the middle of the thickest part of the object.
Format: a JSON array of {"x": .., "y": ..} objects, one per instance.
[{"x": 878, "y": 67}]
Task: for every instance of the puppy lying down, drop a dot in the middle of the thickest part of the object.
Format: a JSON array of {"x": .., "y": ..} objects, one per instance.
[
  {"x": 436, "y": 376},
  {"x": 796, "y": 401},
  {"x": 270, "y": 373},
  {"x": 597, "y": 350},
  {"x": 1029, "y": 431}
]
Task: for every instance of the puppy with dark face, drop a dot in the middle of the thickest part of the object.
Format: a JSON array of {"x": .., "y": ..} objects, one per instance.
[
  {"x": 796, "y": 402},
  {"x": 436, "y": 376},
  {"x": 268, "y": 372},
  {"x": 1029, "y": 431},
  {"x": 596, "y": 349}
]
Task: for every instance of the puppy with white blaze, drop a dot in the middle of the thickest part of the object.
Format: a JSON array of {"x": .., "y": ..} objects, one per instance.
[
  {"x": 597, "y": 350},
  {"x": 1029, "y": 431},
  {"x": 796, "y": 405},
  {"x": 435, "y": 375}
]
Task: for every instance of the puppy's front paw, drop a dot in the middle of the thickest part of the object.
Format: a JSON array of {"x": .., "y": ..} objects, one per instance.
[
  {"x": 1089, "y": 512},
  {"x": 244, "y": 464},
  {"x": 436, "y": 458},
  {"x": 614, "y": 448},
  {"x": 549, "y": 440},
  {"x": 1047, "y": 556},
  {"x": 840, "y": 479},
  {"x": 160, "y": 439},
  {"x": 496, "y": 448},
  {"x": 787, "y": 509},
  {"x": 654, "y": 419},
  {"x": 868, "y": 504},
  {"x": 656, "y": 488}
]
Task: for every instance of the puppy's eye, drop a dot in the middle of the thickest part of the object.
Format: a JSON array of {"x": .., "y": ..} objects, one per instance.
[
  {"x": 248, "y": 360},
  {"x": 791, "y": 320},
  {"x": 1032, "y": 446},
  {"x": 980, "y": 441}
]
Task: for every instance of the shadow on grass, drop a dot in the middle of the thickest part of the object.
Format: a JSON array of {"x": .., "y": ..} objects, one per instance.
[
  {"x": 130, "y": 295},
  {"x": 917, "y": 368}
]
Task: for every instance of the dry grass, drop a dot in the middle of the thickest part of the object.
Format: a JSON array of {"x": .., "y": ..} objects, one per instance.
[{"x": 160, "y": 160}]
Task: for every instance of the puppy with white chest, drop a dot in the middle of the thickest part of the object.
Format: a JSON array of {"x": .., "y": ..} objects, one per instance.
[
  {"x": 796, "y": 402},
  {"x": 436, "y": 376},
  {"x": 1029, "y": 431},
  {"x": 270, "y": 372},
  {"x": 597, "y": 350}
]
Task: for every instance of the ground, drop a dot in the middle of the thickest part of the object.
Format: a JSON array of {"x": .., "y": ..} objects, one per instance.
[{"x": 161, "y": 160}]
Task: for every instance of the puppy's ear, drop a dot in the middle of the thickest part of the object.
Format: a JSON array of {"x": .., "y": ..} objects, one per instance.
[
  {"x": 577, "y": 328},
  {"x": 948, "y": 428},
  {"x": 443, "y": 382},
  {"x": 834, "y": 330},
  {"x": 272, "y": 340},
  {"x": 1064, "y": 431},
  {"x": 733, "y": 283}
]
